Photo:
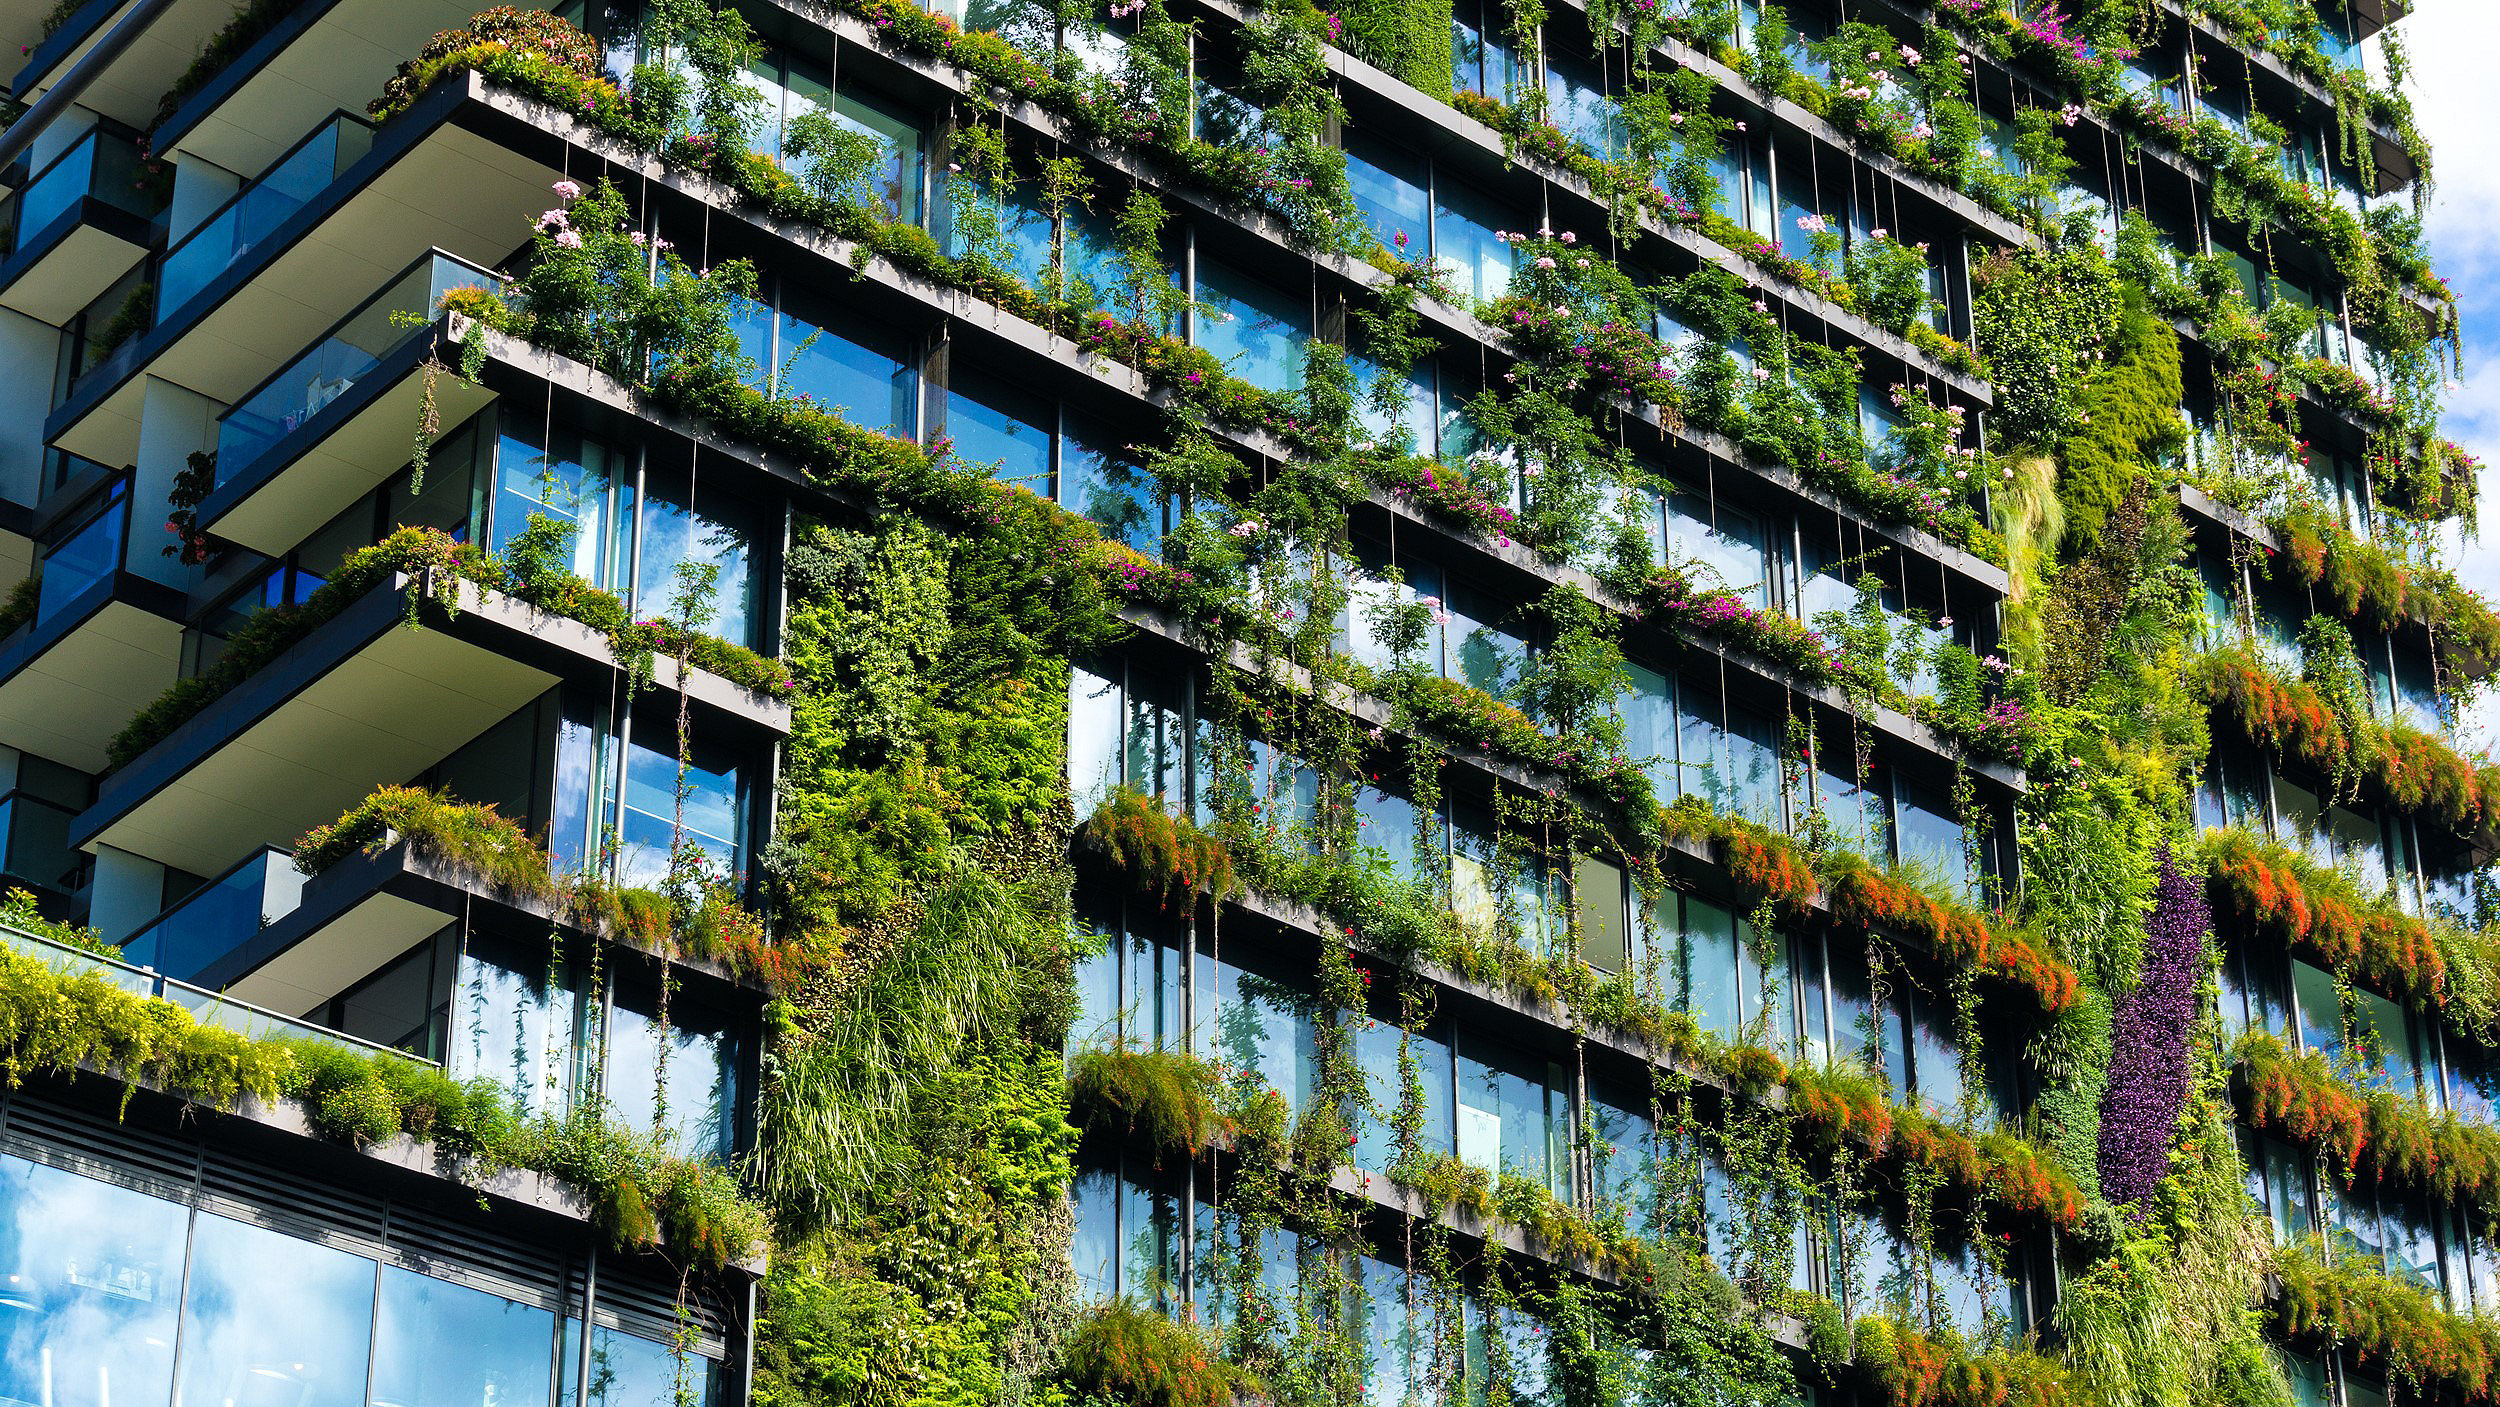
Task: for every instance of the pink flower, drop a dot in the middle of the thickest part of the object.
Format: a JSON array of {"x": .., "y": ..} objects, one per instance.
[
  {"x": 568, "y": 239},
  {"x": 567, "y": 190}
]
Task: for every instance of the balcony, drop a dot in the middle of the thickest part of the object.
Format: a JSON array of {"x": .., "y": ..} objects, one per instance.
[
  {"x": 206, "y": 1007},
  {"x": 322, "y": 934},
  {"x": 335, "y": 421},
  {"x": 361, "y": 702},
  {"x": 341, "y": 214},
  {"x": 128, "y": 88},
  {"x": 324, "y": 55},
  {"x": 35, "y": 852},
  {"x": 102, "y": 643},
  {"x": 191, "y": 937},
  {"x": 251, "y": 214},
  {"x": 71, "y": 232}
]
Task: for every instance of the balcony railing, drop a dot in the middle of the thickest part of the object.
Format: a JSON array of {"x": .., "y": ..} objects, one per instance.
[
  {"x": 89, "y": 554},
  {"x": 340, "y": 358},
  {"x": 246, "y": 219},
  {"x": 221, "y": 915},
  {"x": 206, "y": 1007},
  {"x": 99, "y": 165},
  {"x": 34, "y": 843}
]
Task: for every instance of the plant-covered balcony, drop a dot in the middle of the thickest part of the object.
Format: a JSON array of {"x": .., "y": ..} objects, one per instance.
[
  {"x": 341, "y": 213},
  {"x": 95, "y": 640},
  {"x": 311, "y": 706},
  {"x": 77, "y": 225},
  {"x": 334, "y": 421},
  {"x": 131, "y": 84}
]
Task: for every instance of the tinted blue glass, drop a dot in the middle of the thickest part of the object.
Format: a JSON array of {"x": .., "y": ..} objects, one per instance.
[
  {"x": 577, "y": 481},
  {"x": 831, "y": 372},
  {"x": 93, "y": 1275},
  {"x": 629, "y": 1371},
  {"x": 436, "y": 1344},
  {"x": 514, "y": 1027},
  {"x": 1259, "y": 332},
  {"x": 711, "y": 811},
  {"x": 271, "y": 1321},
  {"x": 674, "y": 1080},
  {"x": 995, "y": 426},
  {"x": 1099, "y": 479},
  {"x": 676, "y": 538}
]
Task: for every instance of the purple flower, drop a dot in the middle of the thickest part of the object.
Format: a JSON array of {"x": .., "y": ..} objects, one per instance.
[{"x": 2148, "y": 1072}]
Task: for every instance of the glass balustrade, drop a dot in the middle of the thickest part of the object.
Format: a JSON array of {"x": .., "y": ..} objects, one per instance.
[
  {"x": 340, "y": 358},
  {"x": 99, "y": 165},
  {"x": 206, "y": 1007},
  {"x": 86, "y": 556},
  {"x": 220, "y": 916},
  {"x": 260, "y": 207},
  {"x": 34, "y": 843}
]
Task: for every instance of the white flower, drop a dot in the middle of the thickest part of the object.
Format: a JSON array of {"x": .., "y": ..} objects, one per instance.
[
  {"x": 637, "y": 238},
  {"x": 1879, "y": 232},
  {"x": 567, "y": 190},
  {"x": 1569, "y": 238}
]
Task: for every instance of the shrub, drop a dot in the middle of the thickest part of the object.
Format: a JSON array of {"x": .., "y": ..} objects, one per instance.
[{"x": 1128, "y": 1354}]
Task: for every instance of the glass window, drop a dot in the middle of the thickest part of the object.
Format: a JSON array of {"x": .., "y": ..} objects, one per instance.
[
  {"x": 1647, "y": 709},
  {"x": 1259, "y": 332},
  {"x": 1000, "y": 427},
  {"x": 272, "y": 1321},
  {"x": 1931, "y": 840},
  {"x": 676, "y": 536},
  {"x": 513, "y": 1022},
  {"x": 630, "y": 1371},
  {"x": 712, "y": 813},
  {"x": 1513, "y": 1113},
  {"x": 1258, "y": 1025},
  {"x": 1094, "y": 736},
  {"x": 1100, "y": 480},
  {"x": 1720, "y": 546},
  {"x": 1392, "y": 192},
  {"x": 1464, "y": 222},
  {"x": 902, "y": 168},
  {"x": 436, "y": 1344},
  {"x": 676, "y": 1080},
  {"x": 1623, "y": 1153},
  {"x": 94, "y": 1273},
  {"x": 872, "y": 385},
  {"x": 580, "y": 482},
  {"x": 2320, "y": 1010}
]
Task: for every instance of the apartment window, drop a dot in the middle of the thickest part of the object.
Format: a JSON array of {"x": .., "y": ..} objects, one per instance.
[
  {"x": 1513, "y": 1113},
  {"x": 1392, "y": 189},
  {"x": 1126, "y": 1242},
  {"x": 1624, "y": 1152},
  {"x": 108, "y": 1278},
  {"x": 1480, "y": 49},
  {"x": 1577, "y": 103},
  {"x": 618, "y": 787},
  {"x": 1006, "y": 427},
  {"x": 1128, "y": 727},
  {"x": 634, "y": 529},
  {"x": 560, "y": 1037},
  {"x": 866, "y": 376},
  {"x": 1260, "y": 332},
  {"x": 1464, "y": 224},
  {"x": 1129, "y": 992},
  {"x": 1731, "y": 760},
  {"x": 1721, "y": 546},
  {"x": 1256, "y": 1020},
  {"x": 2281, "y": 1183}
]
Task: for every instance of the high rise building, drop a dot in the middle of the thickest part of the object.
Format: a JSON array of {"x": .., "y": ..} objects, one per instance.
[{"x": 1189, "y": 701}]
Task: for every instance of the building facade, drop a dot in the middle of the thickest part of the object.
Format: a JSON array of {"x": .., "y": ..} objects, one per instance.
[{"x": 1191, "y": 701}]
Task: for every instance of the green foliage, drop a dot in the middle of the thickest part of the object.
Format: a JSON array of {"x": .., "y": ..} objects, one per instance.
[
  {"x": 2126, "y": 420},
  {"x": 65, "y": 1023},
  {"x": 1129, "y": 1354},
  {"x": 1168, "y": 1097}
]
